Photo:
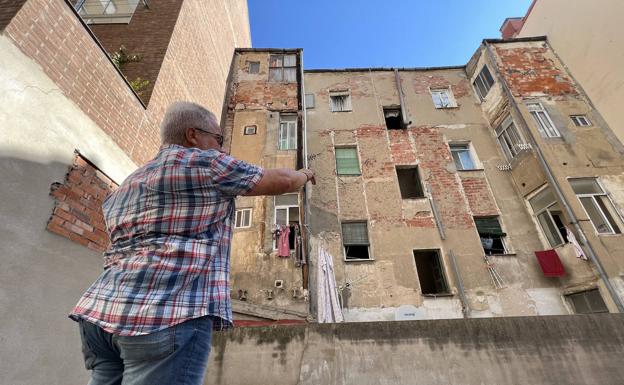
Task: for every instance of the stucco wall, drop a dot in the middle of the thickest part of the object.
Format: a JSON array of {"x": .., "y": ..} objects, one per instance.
[{"x": 495, "y": 351}]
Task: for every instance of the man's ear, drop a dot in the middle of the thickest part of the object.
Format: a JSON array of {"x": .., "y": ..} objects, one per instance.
[{"x": 190, "y": 135}]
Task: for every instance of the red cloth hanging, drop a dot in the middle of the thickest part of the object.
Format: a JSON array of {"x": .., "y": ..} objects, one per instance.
[{"x": 550, "y": 263}]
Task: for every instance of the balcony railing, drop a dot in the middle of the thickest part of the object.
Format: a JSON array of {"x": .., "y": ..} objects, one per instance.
[{"x": 106, "y": 11}]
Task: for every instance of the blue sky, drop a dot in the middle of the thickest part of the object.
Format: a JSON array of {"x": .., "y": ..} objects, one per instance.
[{"x": 379, "y": 33}]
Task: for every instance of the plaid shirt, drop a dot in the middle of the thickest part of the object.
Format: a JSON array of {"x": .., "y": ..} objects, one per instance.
[{"x": 170, "y": 228}]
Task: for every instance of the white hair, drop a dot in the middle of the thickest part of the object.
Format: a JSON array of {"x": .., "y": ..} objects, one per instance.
[{"x": 182, "y": 115}]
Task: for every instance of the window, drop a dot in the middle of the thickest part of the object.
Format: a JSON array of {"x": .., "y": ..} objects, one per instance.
[
  {"x": 340, "y": 101},
  {"x": 587, "y": 302},
  {"x": 409, "y": 182},
  {"x": 549, "y": 216},
  {"x": 287, "y": 213},
  {"x": 491, "y": 234},
  {"x": 355, "y": 240},
  {"x": 242, "y": 218},
  {"x": 442, "y": 98},
  {"x": 509, "y": 138},
  {"x": 288, "y": 132},
  {"x": 393, "y": 117},
  {"x": 545, "y": 125},
  {"x": 580, "y": 120},
  {"x": 309, "y": 101},
  {"x": 347, "y": 161},
  {"x": 462, "y": 157},
  {"x": 106, "y": 11},
  {"x": 483, "y": 82},
  {"x": 430, "y": 272},
  {"x": 251, "y": 130},
  {"x": 283, "y": 68},
  {"x": 597, "y": 205},
  {"x": 254, "y": 67}
]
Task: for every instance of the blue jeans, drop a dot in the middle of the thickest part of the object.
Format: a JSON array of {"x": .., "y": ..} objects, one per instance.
[{"x": 174, "y": 356}]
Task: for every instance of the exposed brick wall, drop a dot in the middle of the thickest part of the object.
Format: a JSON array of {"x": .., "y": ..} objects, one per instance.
[
  {"x": 479, "y": 197},
  {"x": 8, "y": 9},
  {"x": 77, "y": 211},
  {"x": 423, "y": 82},
  {"x": 147, "y": 35},
  {"x": 529, "y": 70}
]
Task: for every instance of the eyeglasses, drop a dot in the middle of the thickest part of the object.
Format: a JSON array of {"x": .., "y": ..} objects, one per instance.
[{"x": 218, "y": 138}]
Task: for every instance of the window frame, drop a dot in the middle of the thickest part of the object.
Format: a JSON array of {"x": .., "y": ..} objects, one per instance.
[
  {"x": 503, "y": 238},
  {"x": 346, "y": 105},
  {"x": 467, "y": 147},
  {"x": 240, "y": 212},
  {"x": 253, "y": 64},
  {"x": 502, "y": 131},
  {"x": 286, "y": 207},
  {"x": 255, "y": 129},
  {"x": 543, "y": 121},
  {"x": 599, "y": 207},
  {"x": 584, "y": 293},
  {"x": 393, "y": 109},
  {"x": 288, "y": 140},
  {"x": 309, "y": 97},
  {"x": 547, "y": 210},
  {"x": 282, "y": 67},
  {"x": 442, "y": 269},
  {"x": 576, "y": 120},
  {"x": 449, "y": 97},
  {"x": 103, "y": 17},
  {"x": 420, "y": 180},
  {"x": 483, "y": 81},
  {"x": 344, "y": 245},
  {"x": 357, "y": 159}
]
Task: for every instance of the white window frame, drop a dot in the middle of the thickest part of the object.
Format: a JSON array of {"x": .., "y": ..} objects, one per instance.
[
  {"x": 547, "y": 211},
  {"x": 345, "y": 106},
  {"x": 448, "y": 93},
  {"x": 481, "y": 78},
  {"x": 287, "y": 132},
  {"x": 545, "y": 125},
  {"x": 598, "y": 208},
  {"x": 505, "y": 139},
  {"x": 578, "y": 120},
  {"x": 457, "y": 147},
  {"x": 287, "y": 208},
  {"x": 344, "y": 247},
  {"x": 250, "y": 130},
  {"x": 240, "y": 214}
]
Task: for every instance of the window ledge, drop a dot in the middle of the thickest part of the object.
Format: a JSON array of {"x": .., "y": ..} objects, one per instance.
[
  {"x": 502, "y": 255},
  {"x": 349, "y": 175},
  {"x": 608, "y": 235},
  {"x": 343, "y": 111},
  {"x": 438, "y": 295},
  {"x": 471, "y": 169},
  {"x": 415, "y": 199},
  {"x": 447, "y": 108},
  {"x": 359, "y": 260}
]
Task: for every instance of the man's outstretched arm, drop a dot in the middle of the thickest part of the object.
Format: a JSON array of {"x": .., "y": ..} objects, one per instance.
[{"x": 279, "y": 181}]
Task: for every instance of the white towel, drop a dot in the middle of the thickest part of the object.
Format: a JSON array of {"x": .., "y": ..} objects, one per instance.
[
  {"x": 327, "y": 296},
  {"x": 577, "y": 248}
]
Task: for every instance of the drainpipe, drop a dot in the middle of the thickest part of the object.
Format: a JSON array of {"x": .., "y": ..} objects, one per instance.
[
  {"x": 553, "y": 182},
  {"x": 397, "y": 77},
  {"x": 305, "y": 269}
]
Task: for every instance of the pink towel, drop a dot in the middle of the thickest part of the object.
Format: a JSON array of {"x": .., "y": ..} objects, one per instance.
[{"x": 283, "y": 245}]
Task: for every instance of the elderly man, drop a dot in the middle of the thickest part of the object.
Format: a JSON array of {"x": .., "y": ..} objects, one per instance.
[{"x": 148, "y": 318}]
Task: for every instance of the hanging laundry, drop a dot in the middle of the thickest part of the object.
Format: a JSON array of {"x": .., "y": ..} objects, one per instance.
[
  {"x": 577, "y": 248},
  {"x": 328, "y": 304},
  {"x": 283, "y": 242},
  {"x": 550, "y": 263}
]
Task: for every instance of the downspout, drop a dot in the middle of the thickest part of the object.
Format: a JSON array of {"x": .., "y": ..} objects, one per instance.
[
  {"x": 553, "y": 182},
  {"x": 397, "y": 77},
  {"x": 305, "y": 269}
]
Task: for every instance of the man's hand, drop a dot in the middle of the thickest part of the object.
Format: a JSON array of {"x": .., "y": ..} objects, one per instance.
[{"x": 309, "y": 174}]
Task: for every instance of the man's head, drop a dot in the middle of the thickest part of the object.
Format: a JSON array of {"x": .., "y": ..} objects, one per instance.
[{"x": 191, "y": 125}]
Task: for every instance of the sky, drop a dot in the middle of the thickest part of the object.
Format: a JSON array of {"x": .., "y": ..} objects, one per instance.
[{"x": 379, "y": 33}]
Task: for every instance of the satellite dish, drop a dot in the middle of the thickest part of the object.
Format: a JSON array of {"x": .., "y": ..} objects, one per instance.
[{"x": 409, "y": 313}]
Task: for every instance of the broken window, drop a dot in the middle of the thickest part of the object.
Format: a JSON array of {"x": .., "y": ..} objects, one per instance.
[
  {"x": 491, "y": 234},
  {"x": 462, "y": 156},
  {"x": 509, "y": 138},
  {"x": 442, "y": 98},
  {"x": 309, "y": 101},
  {"x": 242, "y": 218},
  {"x": 409, "y": 182},
  {"x": 250, "y": 130},
  {"x": 283, "y": 68},
  {"x": 430, "y": 272},
  {"x": 587, "y": 302},
  {"x": 545, "y": 126},
  {"x": 355, "y": 240},
  {"x": 580, "y": 120},
  {"x": 287, "y": 213},
  {"x": 106, "y": 11},
  {"x": 288, "y": 132},
  {"x": 549, "y": 216},
  {"x": 254, "y": 67},
  {"x": 393, "y": 117},
  {"x": 340, "y": 101},
  {"x": 483, "y": 82},
  {"x": 347, "y": 161},
  {"x": 597, "y": 205}
]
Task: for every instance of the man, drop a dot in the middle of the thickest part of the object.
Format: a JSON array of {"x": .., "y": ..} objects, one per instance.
[{"x": 148, "y": 318}]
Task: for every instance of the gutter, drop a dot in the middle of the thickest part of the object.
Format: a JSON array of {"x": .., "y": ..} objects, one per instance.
[
  {"x": 404, "y": 120},
  {"x": 553, "y": 181}
]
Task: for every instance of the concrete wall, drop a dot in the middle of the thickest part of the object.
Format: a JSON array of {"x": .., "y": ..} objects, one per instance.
[
  {"x": 583, "y": 34},
  {"x": 496, "y": 351}
]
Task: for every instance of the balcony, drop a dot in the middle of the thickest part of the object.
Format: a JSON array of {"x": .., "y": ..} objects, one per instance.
[{"x": 106, "y": 11}]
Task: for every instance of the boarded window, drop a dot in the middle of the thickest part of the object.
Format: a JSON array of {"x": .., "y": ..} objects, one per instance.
[
  {"x": 309, "y": 101},
  {"x": 430, "y": 272},
  {"x": 339, "y": 101},
  {"x": 587, "y": 302},
  {"x": 242, "y": 218},
  {"x": 483, "y": 82},
  {"x": 355, "y": 240},
  {"x": 393, "y": 118},
  {"x": 409, "y": 182},
  {"x": 254, "y": 67},
  {"x": 283, "y": 68},
  {"x": 347, "y": 161},
  {"x": 288, "y": 132},
  {"x": 491, "y": 234}
]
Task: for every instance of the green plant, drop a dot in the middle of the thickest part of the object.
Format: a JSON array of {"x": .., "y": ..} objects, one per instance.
[{"x": 120, "y": 58}]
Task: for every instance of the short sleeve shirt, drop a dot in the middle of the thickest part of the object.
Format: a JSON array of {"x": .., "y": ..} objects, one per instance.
[{"x": 170, "y": 225}]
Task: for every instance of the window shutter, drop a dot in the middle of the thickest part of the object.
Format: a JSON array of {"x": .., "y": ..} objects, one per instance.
[{"x": 354, "y": 233}]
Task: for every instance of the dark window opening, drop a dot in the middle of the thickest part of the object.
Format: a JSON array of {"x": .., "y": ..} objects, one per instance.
[
  {"x": 557, "y": 217},
  {"x": 394, "y": 119},
  {"x": 409, "y": 183},
  {"x": 491, "y": 234},
  {"x": 588, "y": 302},
  {"x": 355, "y": 240},
  {"x": 430, "y": 272},
  {"x": 356, "y": 252}
]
